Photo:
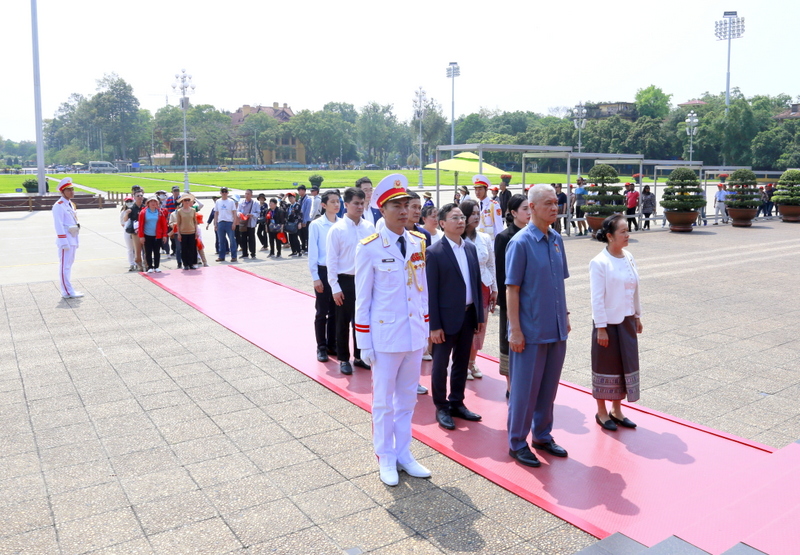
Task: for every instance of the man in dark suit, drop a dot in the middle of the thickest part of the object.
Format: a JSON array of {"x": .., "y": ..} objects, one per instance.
[{"x": 456, "y": 313}]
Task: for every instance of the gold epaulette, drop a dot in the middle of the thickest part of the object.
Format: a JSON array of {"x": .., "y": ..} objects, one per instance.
[
  {"x": 418, "y": 234},
  {"x": 368, "y": 239}
]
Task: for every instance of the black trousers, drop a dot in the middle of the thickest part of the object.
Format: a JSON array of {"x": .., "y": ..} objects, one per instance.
[
  {"x": 274, "y": 242},
  {"x": 631, "y": 213},
  {"x": 152, "y": 250},
  {"x": 246, "y": 239},
  {"x": 304, "y": 236},
  {"x": 345, "y": 319},
  {"x": 188, "y": 249},
  {"x": 294, "y": 242},
  {"x": 325, "y": 318},
  {"x": 261, "y": 233},
  {"x": 459, "y": 344}
]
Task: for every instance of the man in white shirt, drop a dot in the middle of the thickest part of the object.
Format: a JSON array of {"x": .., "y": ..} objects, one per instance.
[
  {"x": 324, "y": 320},
  {"x": 719, "y": 204},
  {"x": 456, "y": 314},
  {"x": 224, "y": 221},
  {"x": 343, "y": 238},
  {"x": 372, "y": 215},
  {"x": 316, "y": 202},
  {"x": 490, "y": 213}
]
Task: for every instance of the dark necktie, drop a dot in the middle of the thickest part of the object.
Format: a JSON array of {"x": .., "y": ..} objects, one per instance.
[{"x": 402, "y": 241}]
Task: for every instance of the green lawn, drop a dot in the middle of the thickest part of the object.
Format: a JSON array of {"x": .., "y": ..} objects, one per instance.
[{"x": 265, "y": 180}]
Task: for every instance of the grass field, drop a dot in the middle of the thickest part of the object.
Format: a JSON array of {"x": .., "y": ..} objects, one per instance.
[{"x": 265, "y": 180}]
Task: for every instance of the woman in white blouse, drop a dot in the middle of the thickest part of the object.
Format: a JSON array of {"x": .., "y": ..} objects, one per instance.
[
  {"x": 616, "y": 311},
  {"x": 484, "y": 244}
]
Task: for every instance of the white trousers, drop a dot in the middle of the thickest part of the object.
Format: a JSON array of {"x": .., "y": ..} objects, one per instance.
[
  {"x": 65, "y": 259},
  {"x": 394, "y": 393},
  {"x": 131, "y": 249},
  {"x": 719, "y": 213}
]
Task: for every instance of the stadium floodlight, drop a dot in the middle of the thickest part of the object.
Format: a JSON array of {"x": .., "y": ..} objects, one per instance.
[{"x": 729, "y": 28}]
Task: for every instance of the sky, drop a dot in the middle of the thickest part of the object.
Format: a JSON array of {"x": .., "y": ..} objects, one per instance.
[{"x": 513, "y": 54}]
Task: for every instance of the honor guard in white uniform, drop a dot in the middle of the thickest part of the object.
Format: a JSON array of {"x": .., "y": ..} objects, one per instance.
[
  {"x": 391, "y": 324},
  {"x": 67, "y": 227},
  {"x": 491, "y": 215}
]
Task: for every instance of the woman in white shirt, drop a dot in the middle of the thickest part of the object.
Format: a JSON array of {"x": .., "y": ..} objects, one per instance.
[
  {"x": 484, "y": 244},
  {"x": 616, "y": 312}
]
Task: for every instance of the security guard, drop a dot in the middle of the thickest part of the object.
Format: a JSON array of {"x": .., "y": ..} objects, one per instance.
[
  {"x": 67, "y": 227},
  {"x": 491, "y": 215},
  {"x": 391, "y": 324}
]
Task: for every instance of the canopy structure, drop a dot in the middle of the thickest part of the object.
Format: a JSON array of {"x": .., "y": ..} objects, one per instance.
[
  {"x": 465, "y": 162},
  {"x": 481, "y": 148}
]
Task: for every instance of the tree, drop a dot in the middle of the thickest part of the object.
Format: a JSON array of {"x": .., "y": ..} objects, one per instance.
[
  {"x": 468, "y": 126},
  {"x": 208, "y": 133},
  {"x": 647, "y": 137},
  {"x": 260, "y": 131},
  {"x": 652, "y": 102},
  {"x": 117, "y": 112},
  {"x": 347, "y": 111},
  {"x": 375, "y": 125},
  {"x": 768, "y": 146},
  {"x": 435, "y": 130}
]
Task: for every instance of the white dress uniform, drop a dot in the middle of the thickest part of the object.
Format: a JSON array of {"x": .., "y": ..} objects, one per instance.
[
  {"x": 490, "y": 214},
  {"x": 392, "y": 320},
  {"x": 66, "y": 224}
]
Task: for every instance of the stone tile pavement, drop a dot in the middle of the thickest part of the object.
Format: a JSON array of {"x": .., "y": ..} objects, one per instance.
[{"x": 133, "y": 424}]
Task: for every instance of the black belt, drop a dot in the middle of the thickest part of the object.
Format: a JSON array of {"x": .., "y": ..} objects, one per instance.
[{"x": 471, "y": 305}]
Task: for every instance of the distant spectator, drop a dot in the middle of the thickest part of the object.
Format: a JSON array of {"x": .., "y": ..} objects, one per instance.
[
  {"x": 132, "y": 226},
  {"x": 275, "y": 220},
  {"x": 128, "y": 233},
  {"x": 304, "y": 204},
  {"x": 293, "y": 225},
  {"x": 224, "y": 221},
  {"x": 648, "y": 206},
  {"x": 719, "y": 204},
  {"x": 248, "y": 211},
  {"x": 170, "y": 204},
  {"x": 152, "y": 232},
  {"x": 212, "y": 220},
  {"x": 631, "y": 205},
  {"x": 261, "y": 229},
  {"x": 186, "y": 217}
]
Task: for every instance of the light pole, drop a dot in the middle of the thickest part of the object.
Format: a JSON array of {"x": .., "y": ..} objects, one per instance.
[
  {"x": 453, "y": 71},
  {"x": 37, "y": 100},
  {"x": 579, "y": 119},
  {"x": 732, "y": 27},
  {"x": 419, "y": 113},
  {"x": 184, "y": 85},
  {"x": 691, "y": 130}
]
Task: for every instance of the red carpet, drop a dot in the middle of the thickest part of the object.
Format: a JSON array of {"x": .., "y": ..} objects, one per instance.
[{"x": 668, "y": 477}]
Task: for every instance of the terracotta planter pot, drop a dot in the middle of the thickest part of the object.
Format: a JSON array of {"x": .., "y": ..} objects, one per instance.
[
  {"x": 789, "y": 212},
  {"x": 681, "y": 220},
  {"x": 742, "y": 217},
  {"x": 595, "y": 222}
]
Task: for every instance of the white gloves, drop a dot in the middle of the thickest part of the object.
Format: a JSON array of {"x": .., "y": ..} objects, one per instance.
[{"x": 368, "y": 356}]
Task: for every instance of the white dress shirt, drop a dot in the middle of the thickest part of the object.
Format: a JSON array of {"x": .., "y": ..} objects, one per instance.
[
  {"x": 343, "y": 238},
  {"x": 614, "y": 285},
  {"x": 461, "y": 257},
  {"x": 485, "y": 247},
  {"x": 317, "y": 243}
]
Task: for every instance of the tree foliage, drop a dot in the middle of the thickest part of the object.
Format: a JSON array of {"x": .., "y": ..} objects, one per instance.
[
  {"x": 743, "y": 187},
  {"x": 788, "y": 191},
  {"x": 652, "y": 102},
  {"x": 683, "y": 191}
]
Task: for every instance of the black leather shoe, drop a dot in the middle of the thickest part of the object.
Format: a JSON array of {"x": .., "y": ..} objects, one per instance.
[
  {"x": 465, "y": 413},
  {"x": 444, "y": 419},
  {"x": 525, "y": 456},
  {"x": 361, "y": 364},
  {"x": 607, "y": 425},
  {"x": 625, "y": 422},
  {"x": 345, "y": 368},
  {"x": 551, "y": 447},
  {"x": 322, "y": 356}
]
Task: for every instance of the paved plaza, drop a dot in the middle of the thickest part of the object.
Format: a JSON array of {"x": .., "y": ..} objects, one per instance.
[{"x": 132, "y": 423}]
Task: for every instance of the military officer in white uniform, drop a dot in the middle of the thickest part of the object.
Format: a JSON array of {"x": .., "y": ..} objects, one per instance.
[
  {"x": 391, "y": 324},
  {"x": 67, "y": 228},
  {"x": 491, "y": 215}
]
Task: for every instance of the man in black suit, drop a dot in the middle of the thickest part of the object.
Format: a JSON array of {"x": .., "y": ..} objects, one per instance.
[{"x": 456, "y": 314}]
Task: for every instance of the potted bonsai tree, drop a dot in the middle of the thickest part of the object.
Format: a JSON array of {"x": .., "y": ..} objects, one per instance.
[
  {"x": 604, "y": 198},
  {"x": 744, "y": 198},
  {"x": 787, "y": 196},
  {"x": 681, "y": 199},
  {"x": 31, "y": 185},
  {"x": 316, "y": 180}
]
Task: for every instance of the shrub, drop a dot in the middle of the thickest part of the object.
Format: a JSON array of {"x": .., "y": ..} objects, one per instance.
[
  {"x": 31, "y": 185},
  {"x": 604, "y": 196},
  {"x": 682, "y": 191},
  {"x": 788, "y": 191},
  {"x": 316, "y": 180},
  {"x": 743, "y": 188}
]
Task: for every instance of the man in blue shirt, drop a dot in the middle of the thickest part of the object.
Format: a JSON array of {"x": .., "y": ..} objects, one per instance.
[
  {"x": 536, "y": 267},
  {"x": 305, "y": 206}
]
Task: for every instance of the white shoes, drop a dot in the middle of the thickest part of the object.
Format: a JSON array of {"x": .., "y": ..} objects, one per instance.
[
  {"x": 414, "y": 469},
  {"x": 157, "y": 270},
  {"x": 75, "y": 295},
  {"x": 427, "y": 356},
  {"x": 389, "y": 475},
  {"x": 474, "y": 371},
  {"x": 150, "y": 270}
]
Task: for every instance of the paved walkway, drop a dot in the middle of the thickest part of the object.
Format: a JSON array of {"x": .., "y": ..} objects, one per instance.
[{"x": 133, "y": 424}]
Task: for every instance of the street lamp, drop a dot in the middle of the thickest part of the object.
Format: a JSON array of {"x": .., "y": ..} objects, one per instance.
[
  {"x": 691, "y": 130},
  {"x": 732, "y": 27},
  {"x": 419, "y": 113},
  {"x": 579, "y": 119},
  {"x": 452, "y": 72},
  {"x": 183, "y": 84}
]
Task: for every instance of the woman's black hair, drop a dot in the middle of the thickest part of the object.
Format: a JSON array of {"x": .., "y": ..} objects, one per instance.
[
  {"x": 513, "y": 204},
  {"x": 646, "y": 189},
  {"x": 467, "y": 207},
  {"x": 608, "y": 227},
  {"x": 429, "y": 210}
]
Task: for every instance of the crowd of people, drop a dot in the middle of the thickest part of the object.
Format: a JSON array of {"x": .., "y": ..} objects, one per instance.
[{"x": 407, "y": 281}]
